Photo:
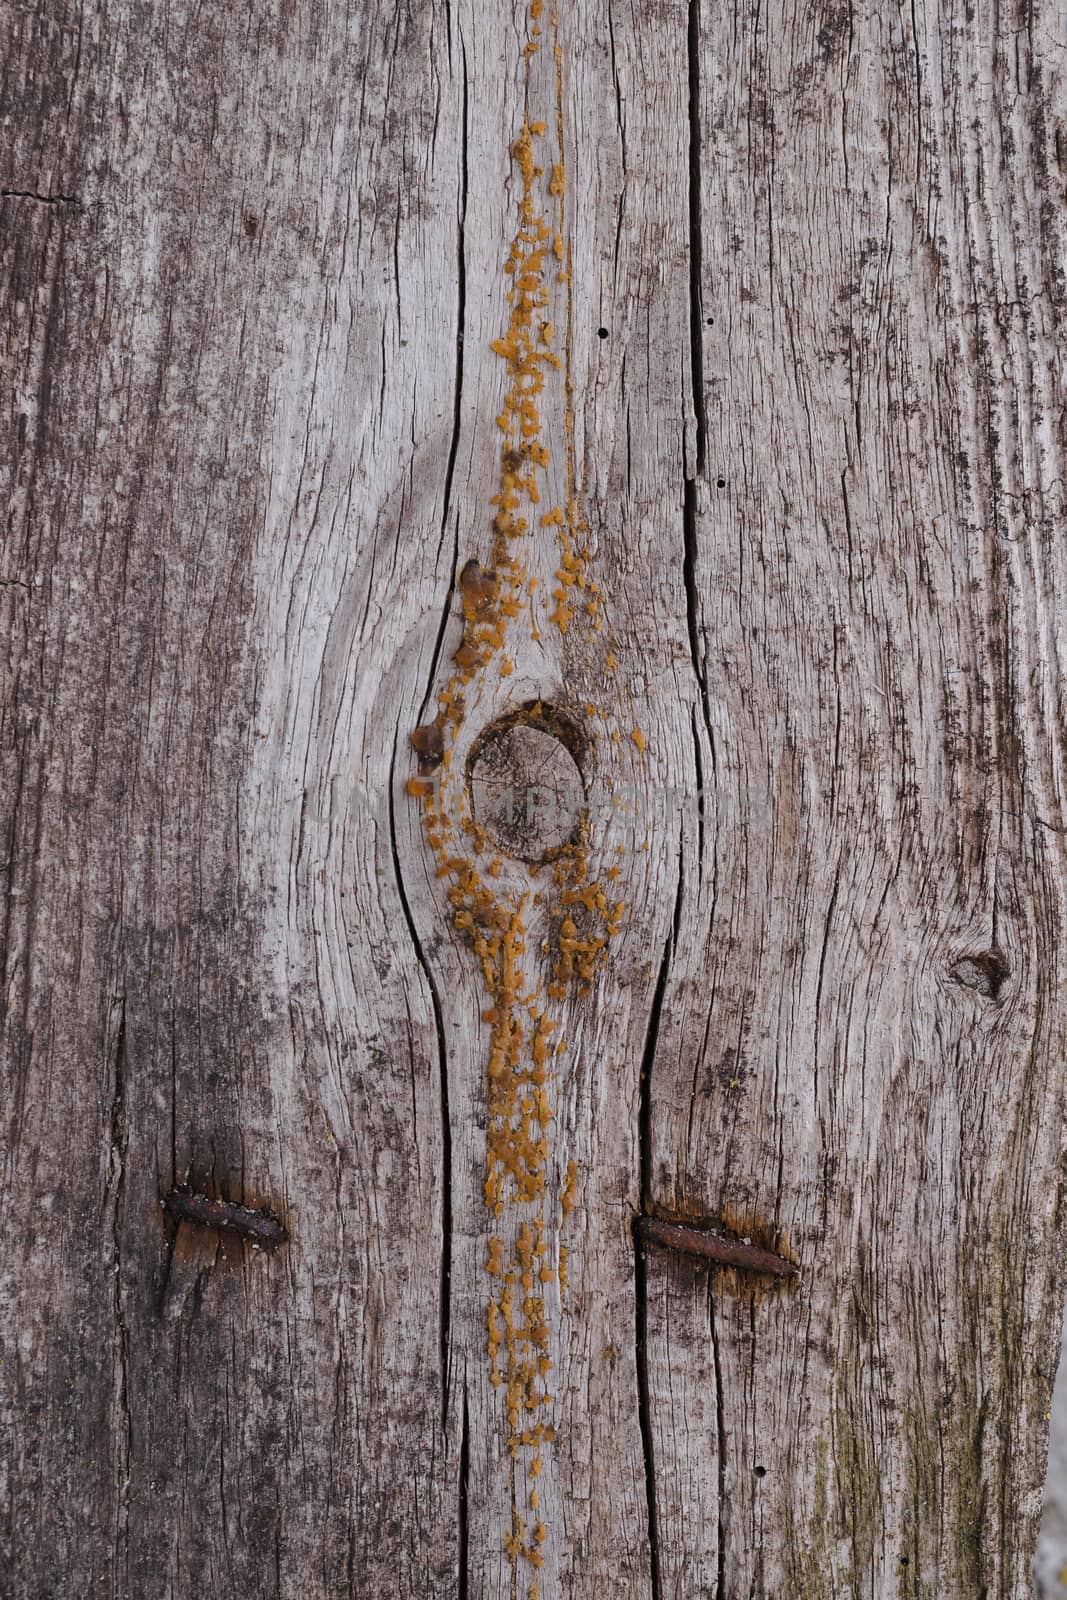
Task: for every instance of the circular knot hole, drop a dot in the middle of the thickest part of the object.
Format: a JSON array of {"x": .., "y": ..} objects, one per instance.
[
  {"x": 526, "y": 788},
  {"x": 985, "y": 972}
]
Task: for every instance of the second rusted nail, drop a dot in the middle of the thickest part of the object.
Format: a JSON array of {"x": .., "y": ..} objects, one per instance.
[
  {"x": 708, "y": 1244},
  {"x": 261, "y": 1227}
]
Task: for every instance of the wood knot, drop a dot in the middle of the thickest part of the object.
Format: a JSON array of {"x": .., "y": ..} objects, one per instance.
[
  {"x": 525, "y": 784},
  {"x": 986, "y": 972}
]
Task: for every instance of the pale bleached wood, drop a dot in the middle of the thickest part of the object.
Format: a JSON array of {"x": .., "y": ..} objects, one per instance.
[{"x": 252, "y": 270}]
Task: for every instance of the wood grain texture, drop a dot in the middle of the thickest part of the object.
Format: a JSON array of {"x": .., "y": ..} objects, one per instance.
[{"x": 808, "y": 311}]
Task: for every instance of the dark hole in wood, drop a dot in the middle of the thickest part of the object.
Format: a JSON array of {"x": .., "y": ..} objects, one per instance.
[
  {"x": 525, "y": 782},
  {"x": 602, "y": 333},
  {"x": 720, "y": 483},
  {"x": 984, "y": 972},
  {"x": 761, "y": 1472},
  {"x": 711, "y": 322}
]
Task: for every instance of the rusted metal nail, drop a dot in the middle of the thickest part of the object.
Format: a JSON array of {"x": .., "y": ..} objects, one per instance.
[
  {"x": 526, "y": 788},
  {"x": 261, "y": 1227},
  {"x": 711, "y": 1245}
]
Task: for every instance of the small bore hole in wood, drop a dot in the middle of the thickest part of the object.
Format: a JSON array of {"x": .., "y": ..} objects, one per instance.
[
  {"x": 525, "y": 784},
  {"x": 761, "y": 1472},
  {"x": 720, "y": 483},
  {"x": 711, "y": 322},
  {"x": 602, "y": 333}
]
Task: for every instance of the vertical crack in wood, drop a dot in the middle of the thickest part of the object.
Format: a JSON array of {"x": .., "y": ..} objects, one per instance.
[
  {"x": 644, "y": 1411},
  {"x": 698, "y": 762},
  {"x": 464, "y": 1505},
  {"x": 689, "y": 561},
  {"x": 173, "y": 1097},
  {"x": 445, "y": 1311},
  {"x": 620, "y": 123},
  {"x": 457, "y": 393},
  {"x": 461, "y": 305},
  {"x": 696, "y": 252},
  {"x": 720, "y": 1423},
  {"x": 644, "y": 1114},
  {"x": 823, "y": 949},
  {"x": 696, "y": 364},
  {"x": 11, "y": 862},
  {"x": 117, "y": 1183},
  {"x": 644, "y": 1405}
]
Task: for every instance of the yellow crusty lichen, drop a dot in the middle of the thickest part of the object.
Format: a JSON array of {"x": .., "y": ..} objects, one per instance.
[{"x": 526, "y": 1265}]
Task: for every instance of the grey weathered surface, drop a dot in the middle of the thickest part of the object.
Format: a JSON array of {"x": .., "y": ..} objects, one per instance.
[
  {"x": 252, "y": 269},
  {"x": 1050, "y": 1563}
]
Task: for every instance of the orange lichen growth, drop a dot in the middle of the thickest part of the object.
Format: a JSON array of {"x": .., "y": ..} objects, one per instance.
[
  {"x": 639, "y": 739},
  {"x": 562, "y": 614},
  {"x": 525, "y": 1259}
]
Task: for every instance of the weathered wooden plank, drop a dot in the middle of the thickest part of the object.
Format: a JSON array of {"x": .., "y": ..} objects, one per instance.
[{"x": 254, "y": 275}]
